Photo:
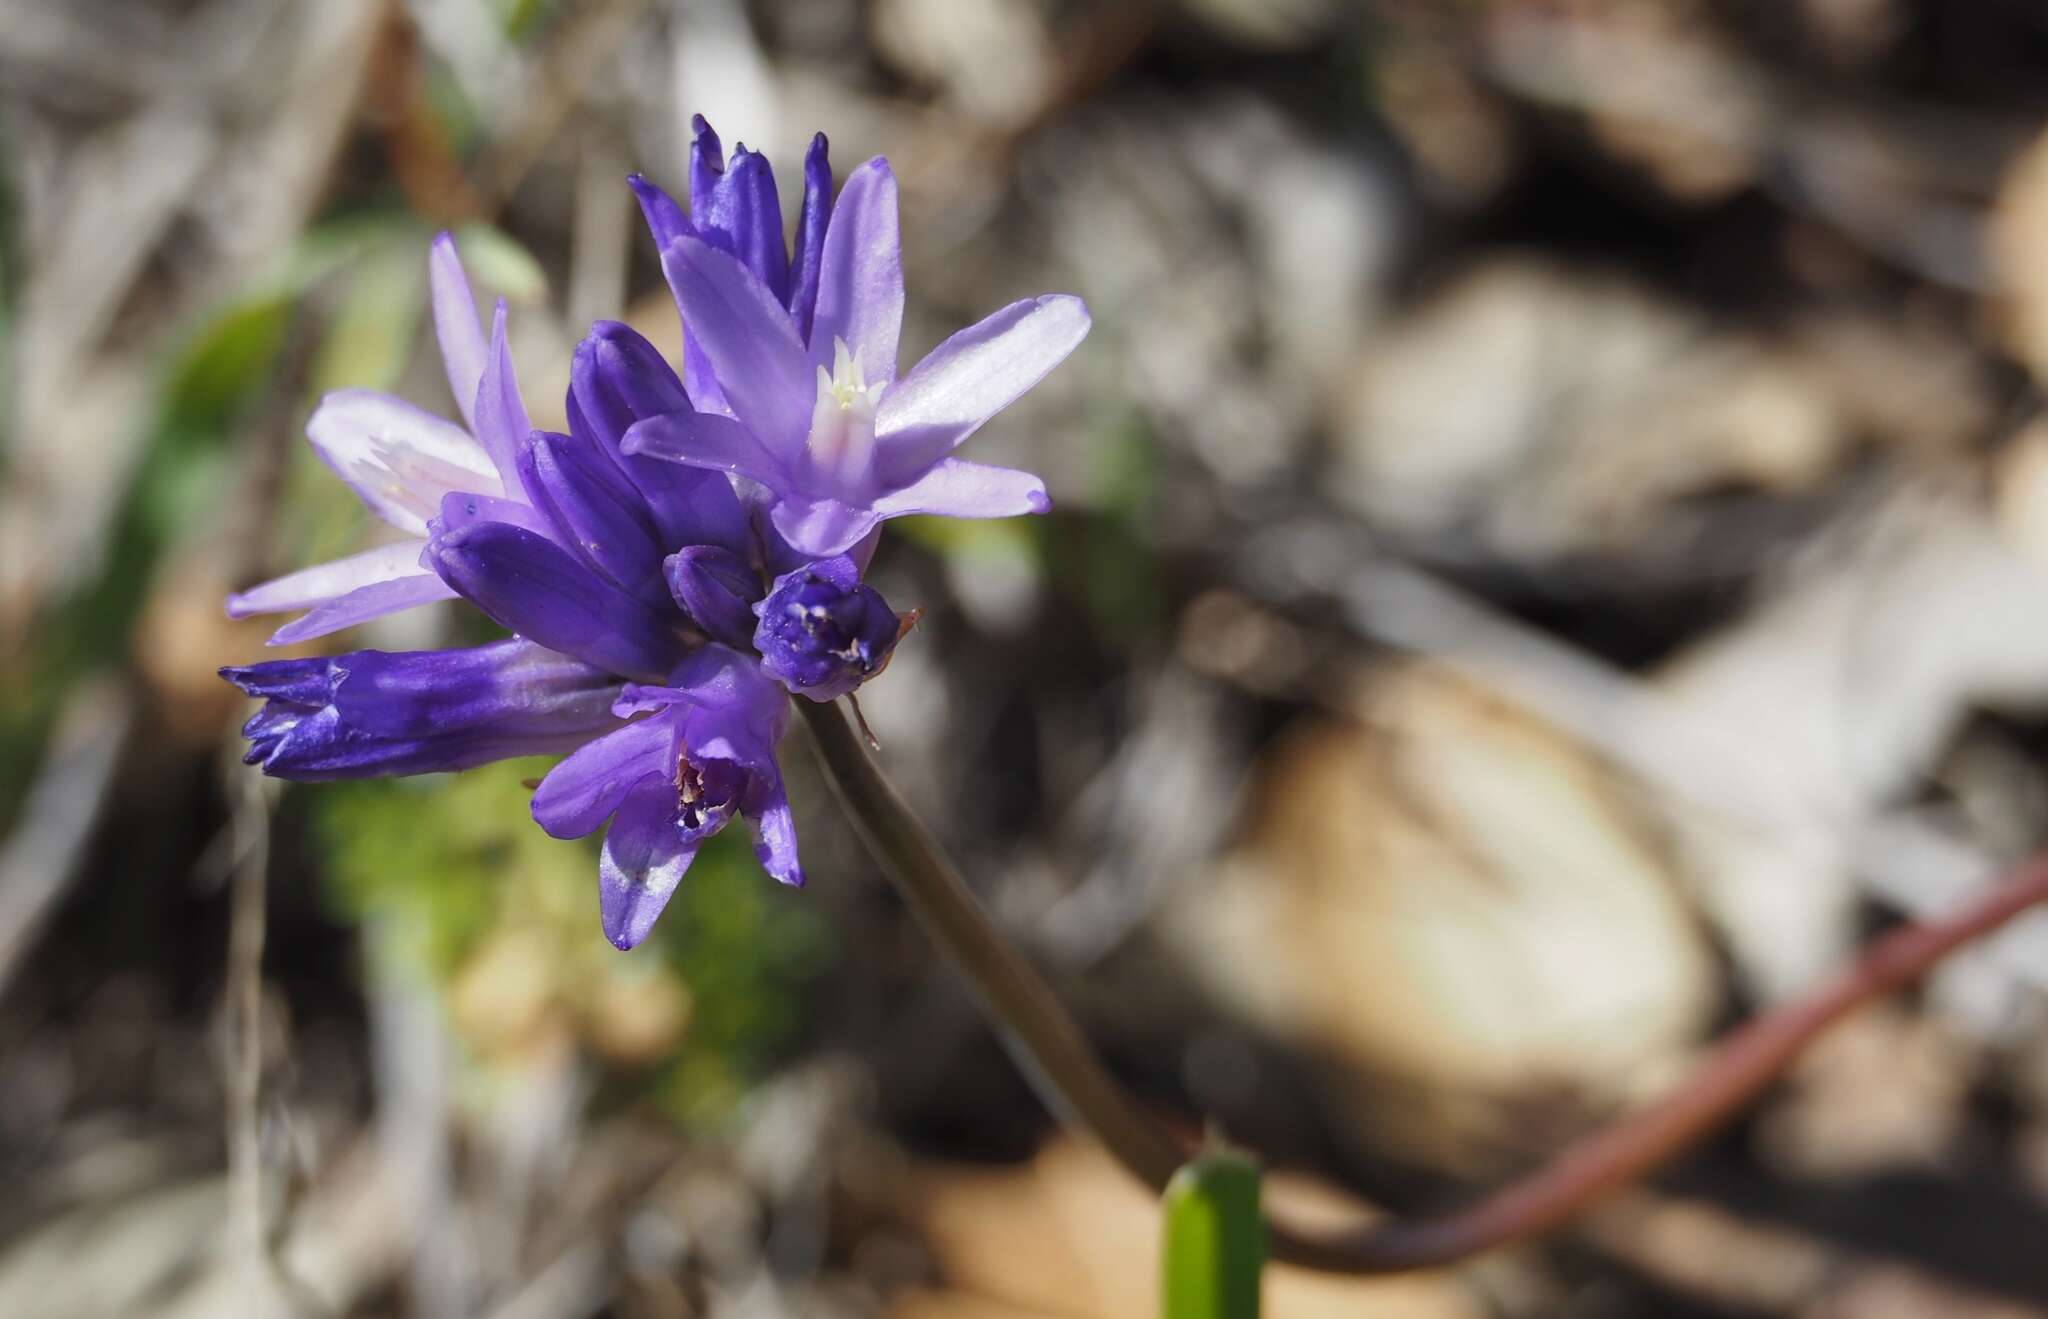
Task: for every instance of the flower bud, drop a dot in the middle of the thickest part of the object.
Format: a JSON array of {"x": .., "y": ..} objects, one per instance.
[
  {"x": 823, "y": 631},
  {"x": 717, "y": 590}
]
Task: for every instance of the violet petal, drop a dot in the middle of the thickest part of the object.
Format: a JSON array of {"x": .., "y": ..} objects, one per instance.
[
  {"x": 460, "y": 510},
  {"x": 596, "y": 511},
  {"x": 774, "y": 830},
  {"x": 578, "y": 794},
  {"x": 644, "y": 858},
  {"x": 717, "y": 589},
  {"x": 747, "y": 338},
  {"x": 617, "y": 379},
  {"x": 811, "y": 220},
  {"x": 821, "y": 527},
  {"x": 741, "y": 214},
  {"x": 860, "y": 280},
  {"x": 539, "y": 590},
  {"x": 699, "y": 439},
  {"x": 666, "y": 219}
]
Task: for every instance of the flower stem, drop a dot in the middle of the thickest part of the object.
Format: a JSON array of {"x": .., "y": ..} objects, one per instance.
[
  {"x": 1039, "y": 1034},
  {"x": 1053, "y": 1052}
]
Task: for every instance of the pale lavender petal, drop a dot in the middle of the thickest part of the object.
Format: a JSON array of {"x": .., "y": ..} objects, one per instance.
[
  {"x": 578, "y": 794},
  {"x": 958, "y": 489},
  {"x": 399, "y": 460},
  {"x": 700, "y": 439},
  {"x": 327, "y": 581},
  {"x": 501, "y": 421},
  {"x": 821, "y": 527},
  {"x": 748, "y": 338},
  {"x": 645, "y": 857},
  {"x": 456, "y": 325},
  {"x": 969, "y": 378},
  {"x": 860, "y": 281},
  {"x": 363, "y": 604}
]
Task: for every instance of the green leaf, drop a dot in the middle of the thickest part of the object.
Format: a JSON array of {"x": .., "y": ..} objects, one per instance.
[
  {"x": 1215, "y": 1240},
  {"x": 496, "y": 260},
  {"x": 370, "y": 337},
  {"x": 227, "y": 361}
]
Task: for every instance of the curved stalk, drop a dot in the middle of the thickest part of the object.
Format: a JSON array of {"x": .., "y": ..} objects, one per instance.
[
  {"x": 1053, "y": 1052},
  {"x": 1039, "y": 1034}
]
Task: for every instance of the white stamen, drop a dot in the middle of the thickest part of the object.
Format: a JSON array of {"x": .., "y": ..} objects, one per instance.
[{"x": 842, "y": 440}]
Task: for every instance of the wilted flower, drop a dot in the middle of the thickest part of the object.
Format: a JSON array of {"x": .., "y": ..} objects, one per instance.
[{"x": 807, "y": 399}]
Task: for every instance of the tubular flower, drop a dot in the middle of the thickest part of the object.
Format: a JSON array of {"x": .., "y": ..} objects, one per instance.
[
  {"x": 371, "y": 713},
  {"x": 681, "y": 562},
  {"x": 795, "y": 379}
]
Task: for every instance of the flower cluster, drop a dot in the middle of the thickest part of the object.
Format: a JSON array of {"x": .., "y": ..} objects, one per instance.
[{"x": 684, "y": 560}]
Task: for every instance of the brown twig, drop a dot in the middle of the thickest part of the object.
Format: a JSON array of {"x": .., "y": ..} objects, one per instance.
[
  {"x": 1056, "y": 1056},
  {"x": 249, "y": 833}
]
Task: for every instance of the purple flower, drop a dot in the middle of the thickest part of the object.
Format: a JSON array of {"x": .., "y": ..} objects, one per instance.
[
  {"x": 371, "y": 713},
  {"x": 795, "y": 381},
  {"x": 630, "y": 558},
  {"x": 615, "y": 572},
  {"x": 403, "y": 463},
  {"x": 823, "y": 632},
  {"x": 581, "y": 565},
  {"x": 701, "y": 752}
]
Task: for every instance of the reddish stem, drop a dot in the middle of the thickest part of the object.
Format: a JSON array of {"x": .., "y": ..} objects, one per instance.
[
  {"x": 1079, "y": 1089},
  {"x": 1735, "y": 1072}
]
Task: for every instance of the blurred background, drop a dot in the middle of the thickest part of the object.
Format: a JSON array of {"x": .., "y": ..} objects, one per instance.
[{"x": 1551, "y": 551}]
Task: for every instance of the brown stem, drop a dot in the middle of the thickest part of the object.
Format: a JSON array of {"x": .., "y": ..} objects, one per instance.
[
  {"x": 1037, "y": 1030},
  {"x": 1053, "y": 1052}
]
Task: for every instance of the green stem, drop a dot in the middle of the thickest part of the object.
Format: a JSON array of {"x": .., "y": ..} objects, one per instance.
[
  {"x": 1053, "y": 1052},
  {"x": 1214, "y": 1246}
]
